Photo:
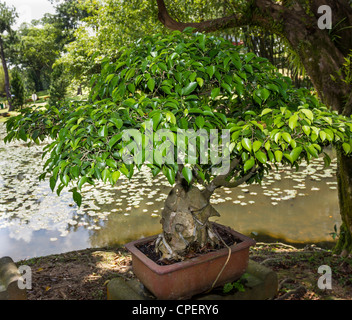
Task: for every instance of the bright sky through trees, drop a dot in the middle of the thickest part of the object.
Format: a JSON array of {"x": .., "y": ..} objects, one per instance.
[{"x": 30, "y": 9}]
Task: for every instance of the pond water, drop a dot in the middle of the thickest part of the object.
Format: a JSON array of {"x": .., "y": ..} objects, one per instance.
[{"x": 298, "y": 207}]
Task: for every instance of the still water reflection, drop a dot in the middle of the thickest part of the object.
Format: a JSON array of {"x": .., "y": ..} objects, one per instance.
[{"x": 292, "y": 206}]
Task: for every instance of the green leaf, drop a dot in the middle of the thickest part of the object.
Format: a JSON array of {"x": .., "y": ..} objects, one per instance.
[
  {"x": 183, "y": 123},
  {"x": 292, "y": 122},
  {"x": 200, "y": 82},
  {"x": 327, "y": 120},
  {"x": 313, "y": 151},
  {"x": 261, "y": 156},
  {"x": 166, "y": 89},
  {"x": 131, "y": 87},
  {"x": 295, "y": 153},
  {"x": 151, "y": 84},
  {"x": 103, "y": 132},
  {"x": 125, "y": 171},
  {"x": 288, "y": 157},
  {"x": 22, "y": 134},
  {"x": 272, "y": 87},
  {"x": 277, "y": 137},
  {"x": 248, "y": 164},
  {"x": 170, "y": 174},
  {"x": 170, "y": 117},
  {"x": 247, "y": 144},
  {"x": 75, "y": 171},
  {"x": 187, "y": 173},
  {"x": 52, "y": 181},
  {"x": 256, "y": 145},
  {"x": 286, "y": 136},
  {"x": 81, "y": 182},
  {"x": 322, "y": 135},
  {"x": 202, "y": 38},
  {"x": 111, "y": 163},
  {"x": 105, "y": 174},
  {"x": 114, "y": 139},
  {"x": 235, "y": 135},
  {"x": 278, "y": 155},
  {"x": 117, "y": 122},
  {"x": 226, "y": 87},
  {"x": 77, "y": 197},
  {"x": 327, "y": 160},
  {"x": 130, "y": 73},
  {"x": 329, "y": 135},
  {"x": 156, "y": 120},
  {"x": 189, "y": 88},
  {"x": 162, "y": 66},
  {"x": 306, "y": 130},
  {"x": 158, "y": 157},
  {"x": 200, "y": 122},
  {"x": 308, "y": 113},
  {"x": 214, "y": 93},
  {"x": 346, "y": 147},
  {"x": 263, "y": 94},
  {"x": 65, "y": 179},
  {"x": 266, "y": 111},
  {"x": 210, "y": 71},
  {"x": 115, "y": 176},
  {"x": 244, "y": 156}
]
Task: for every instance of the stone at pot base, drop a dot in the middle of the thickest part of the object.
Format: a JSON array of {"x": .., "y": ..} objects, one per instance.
[
  {"x": 9, "y": 276},
  {"x": 261, "y": 284}
]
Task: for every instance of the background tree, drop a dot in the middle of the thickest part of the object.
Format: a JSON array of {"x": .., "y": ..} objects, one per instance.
[
  {"x": 37, "y": 45},
  {"x": 38, "y": 51},
  {"x": 17, "y": 88},
  {"x": 108, "y": 25},
  {"x": 66, "y": 19},
  {"x": 321, "y": 51},
  {"x": 59, "y": 83},
  {"x": 7, "y": 18}
]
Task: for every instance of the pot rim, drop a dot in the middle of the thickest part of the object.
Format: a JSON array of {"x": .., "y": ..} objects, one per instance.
[{"x": 246, "y": 242}]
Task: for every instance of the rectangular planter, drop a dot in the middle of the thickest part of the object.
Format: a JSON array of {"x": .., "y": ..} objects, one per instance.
[{"x": 184, "y": 279}]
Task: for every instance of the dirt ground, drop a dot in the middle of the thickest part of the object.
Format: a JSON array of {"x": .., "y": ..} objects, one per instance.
[{"x": 83, "y": 275}]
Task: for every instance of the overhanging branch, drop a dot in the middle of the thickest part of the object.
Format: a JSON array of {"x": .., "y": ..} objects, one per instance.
[{"x": 235, "y": 20}]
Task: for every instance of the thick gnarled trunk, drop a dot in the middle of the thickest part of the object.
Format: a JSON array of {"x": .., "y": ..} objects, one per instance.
[
  {"x": 185, "y": 222},
  {"x": 344, "y": 179}
]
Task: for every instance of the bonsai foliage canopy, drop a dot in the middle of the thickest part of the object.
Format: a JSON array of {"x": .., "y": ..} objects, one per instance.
[{"x": 165, "y": 86}]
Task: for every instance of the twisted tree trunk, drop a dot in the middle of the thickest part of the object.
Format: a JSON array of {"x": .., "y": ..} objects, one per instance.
[{"x": 185, "y": 222}]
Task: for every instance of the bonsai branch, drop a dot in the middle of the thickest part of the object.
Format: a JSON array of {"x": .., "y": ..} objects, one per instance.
[
  {"x": 225, "y": 180},
  {"x": 222, "y": 182}
]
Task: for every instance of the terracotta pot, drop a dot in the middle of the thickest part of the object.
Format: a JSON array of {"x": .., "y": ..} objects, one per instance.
[{"x": 184, "y": 279}]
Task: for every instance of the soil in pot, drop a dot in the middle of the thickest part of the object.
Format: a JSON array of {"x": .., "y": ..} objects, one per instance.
[{"x": 149, "y": 248}]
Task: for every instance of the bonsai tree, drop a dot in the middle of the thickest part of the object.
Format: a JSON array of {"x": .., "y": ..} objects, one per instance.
[{"x": 194, "y": 108}]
